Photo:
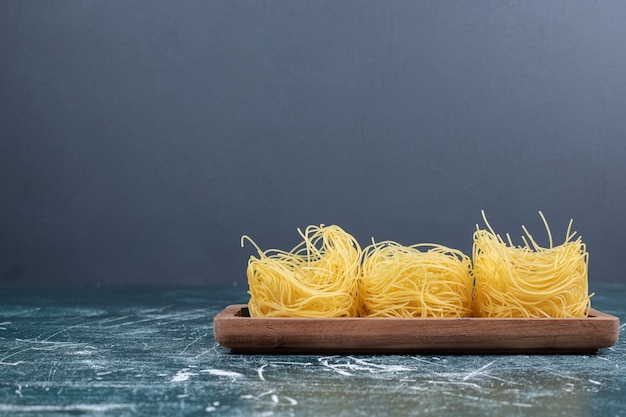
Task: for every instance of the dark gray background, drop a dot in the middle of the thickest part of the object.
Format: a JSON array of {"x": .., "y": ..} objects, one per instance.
[{"x": 140, "y": 140}]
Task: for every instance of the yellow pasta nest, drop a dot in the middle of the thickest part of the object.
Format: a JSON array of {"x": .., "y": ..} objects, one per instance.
[
  {"x": 529, "y": 280},
  {"x": 317, "y": 278},
  {"x": 423, "y": 280}
]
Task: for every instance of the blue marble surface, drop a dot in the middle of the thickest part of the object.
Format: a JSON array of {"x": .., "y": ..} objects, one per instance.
[{"x": 151, "y": 352}]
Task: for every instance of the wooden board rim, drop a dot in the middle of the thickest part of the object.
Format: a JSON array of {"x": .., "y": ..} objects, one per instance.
[{"x": 413, "y": 335}]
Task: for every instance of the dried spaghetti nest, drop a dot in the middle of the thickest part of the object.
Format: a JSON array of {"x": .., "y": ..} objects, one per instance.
[
  {"x": 317, "y": 278},
  {"x": 423, "y": 280},
  {"x": 529, "y": 280}
]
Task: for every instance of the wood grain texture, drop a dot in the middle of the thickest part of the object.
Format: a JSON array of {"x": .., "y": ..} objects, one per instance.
[{"x": 234, "y": 329}]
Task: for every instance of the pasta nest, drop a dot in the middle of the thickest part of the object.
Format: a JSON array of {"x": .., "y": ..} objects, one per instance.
[
  {"x": 423, "y": 280},
  {"x": 317, "y": 278},
  {"x": 530, "y": 280}
]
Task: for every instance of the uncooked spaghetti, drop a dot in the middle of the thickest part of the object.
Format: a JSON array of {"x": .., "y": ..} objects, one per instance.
[
  {"x": 317, "y": 278},
  {"x": 529, "y": 280},
  {"x": 423, "y": 280}
]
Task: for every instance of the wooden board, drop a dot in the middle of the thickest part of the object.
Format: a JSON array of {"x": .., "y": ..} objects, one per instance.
[{"x": 235, "y": 329}]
